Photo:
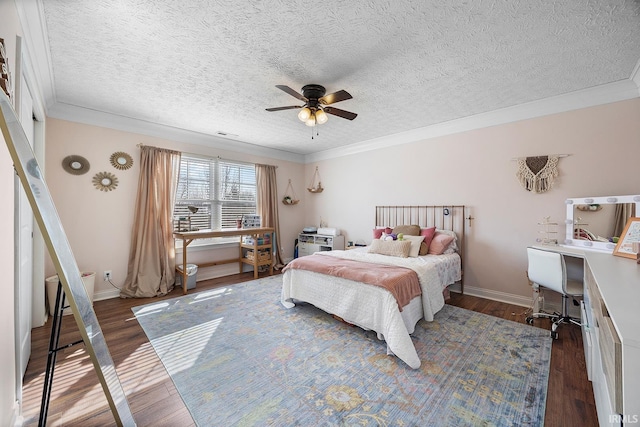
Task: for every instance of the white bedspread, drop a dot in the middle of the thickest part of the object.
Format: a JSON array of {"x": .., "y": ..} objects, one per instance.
[{"x": 373, "y": 307}]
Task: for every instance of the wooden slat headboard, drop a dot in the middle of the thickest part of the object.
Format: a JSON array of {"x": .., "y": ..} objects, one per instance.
[{"x": 450, "y": 217}]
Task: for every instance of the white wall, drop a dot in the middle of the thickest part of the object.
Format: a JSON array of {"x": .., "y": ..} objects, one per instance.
[
  {"x": 9, "y": 411},
  {"x": 475, "y": 169}
]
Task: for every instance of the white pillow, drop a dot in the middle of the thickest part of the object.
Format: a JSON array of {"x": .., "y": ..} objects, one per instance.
[{"x": 415, "y": 244}]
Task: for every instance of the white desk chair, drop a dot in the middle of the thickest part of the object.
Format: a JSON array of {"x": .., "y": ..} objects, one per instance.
[{"x": 548, "y": 269}]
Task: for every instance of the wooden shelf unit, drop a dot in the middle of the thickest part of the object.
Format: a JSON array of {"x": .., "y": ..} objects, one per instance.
[
  {"x": 189, "y": 236},
  {"x": 257, "y": 260}
]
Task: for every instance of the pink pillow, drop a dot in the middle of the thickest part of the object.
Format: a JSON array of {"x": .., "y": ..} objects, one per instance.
[
  {"x": 439, "y": 243},
  {"x": 428, "y": 234},
  {"x": 377, "y": 232}
]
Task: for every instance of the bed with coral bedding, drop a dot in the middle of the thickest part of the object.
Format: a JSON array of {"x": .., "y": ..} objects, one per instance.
[{"x": 342, "y": 282}]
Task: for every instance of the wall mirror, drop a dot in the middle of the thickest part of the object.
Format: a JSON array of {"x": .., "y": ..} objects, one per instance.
[{"x": 597, "y": 222}]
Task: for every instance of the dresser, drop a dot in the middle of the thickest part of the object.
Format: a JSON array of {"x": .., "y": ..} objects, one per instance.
[
  {"x": 611, "y": 333},
  {"x": 610, "y": 313}
]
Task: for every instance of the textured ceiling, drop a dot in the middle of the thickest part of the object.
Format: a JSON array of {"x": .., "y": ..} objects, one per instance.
[{"x": 212, "y": 66}]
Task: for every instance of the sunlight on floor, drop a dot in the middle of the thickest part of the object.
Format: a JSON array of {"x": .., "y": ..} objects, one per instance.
[{"x": 191, "y": 342}]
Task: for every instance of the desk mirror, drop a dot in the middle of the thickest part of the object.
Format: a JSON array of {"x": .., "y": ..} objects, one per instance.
[{"x": 597, "y": 222}]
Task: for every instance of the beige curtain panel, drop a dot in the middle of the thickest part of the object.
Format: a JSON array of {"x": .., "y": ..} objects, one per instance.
[
  {"x": 623, "y": 212},
  {"x": 152, "y": 257},
  {"x": 267, "y": 204}
]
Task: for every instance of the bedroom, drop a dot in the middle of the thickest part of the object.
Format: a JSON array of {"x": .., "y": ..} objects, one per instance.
[{"x": 472, "y": 166}]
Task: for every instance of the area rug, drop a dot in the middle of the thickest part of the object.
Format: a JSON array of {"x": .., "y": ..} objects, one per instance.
[{"x": 239, "y": 358}]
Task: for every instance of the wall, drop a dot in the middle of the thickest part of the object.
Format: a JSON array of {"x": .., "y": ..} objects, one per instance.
[
  {"x": 9, "y": 411},
  {"x": 475, "y": 168},
  {"x": 99, "y": 224}
]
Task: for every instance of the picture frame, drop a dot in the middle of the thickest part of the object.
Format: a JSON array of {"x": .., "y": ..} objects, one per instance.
[{"x": 628, "y": 245}]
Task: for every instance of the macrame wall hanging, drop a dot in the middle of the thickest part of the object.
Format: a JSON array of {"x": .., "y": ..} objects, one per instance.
[{"x": 536, "y": 174}]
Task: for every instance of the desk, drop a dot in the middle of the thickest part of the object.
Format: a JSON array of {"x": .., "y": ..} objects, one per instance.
[
  {"x": 611, "y": 336},
  {"x": 189, "y": 236}
]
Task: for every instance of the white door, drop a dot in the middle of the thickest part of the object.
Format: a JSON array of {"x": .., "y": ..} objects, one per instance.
[{"x": 24, "y": 246}]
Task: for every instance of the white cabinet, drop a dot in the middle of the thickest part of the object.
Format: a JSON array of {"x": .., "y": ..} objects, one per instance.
[
  {"x": 310, "y": 243},
  {"x": 612, "y": 337}
]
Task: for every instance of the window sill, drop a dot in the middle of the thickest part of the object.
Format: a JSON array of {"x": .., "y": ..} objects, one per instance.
[{"x": 204, "y": 245}]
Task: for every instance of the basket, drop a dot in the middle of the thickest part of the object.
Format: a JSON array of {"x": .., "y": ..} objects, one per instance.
[{"x": 262, "y": 256}]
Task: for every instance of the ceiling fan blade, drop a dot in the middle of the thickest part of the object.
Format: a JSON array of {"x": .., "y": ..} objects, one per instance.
[
  {"x": 341, "y": 95},
  {"x": 290, "y": 107},
  {"x": 340, "y": 113},
  {"x": 292, "y": 92}
]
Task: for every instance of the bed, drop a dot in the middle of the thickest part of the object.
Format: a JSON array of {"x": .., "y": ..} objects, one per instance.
[{"x": 374, "y": 307}]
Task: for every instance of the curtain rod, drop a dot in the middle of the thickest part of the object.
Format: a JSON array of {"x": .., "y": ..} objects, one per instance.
[
  {"x": 513, "y": 159},
  {"x": 140, "y": 145}
]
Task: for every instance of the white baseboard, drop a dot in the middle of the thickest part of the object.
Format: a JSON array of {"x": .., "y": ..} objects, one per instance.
[
  {"x": 494, "y": 295},
  {"x": 17, "y": 420},
  {"x": 202, "y": 274}
]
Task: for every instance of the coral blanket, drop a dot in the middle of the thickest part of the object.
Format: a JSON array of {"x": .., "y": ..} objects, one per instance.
[{"x": 402, "y": 282}]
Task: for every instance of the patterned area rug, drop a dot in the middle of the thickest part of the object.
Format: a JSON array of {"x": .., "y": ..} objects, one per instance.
[{"x": 239, "y": 358}]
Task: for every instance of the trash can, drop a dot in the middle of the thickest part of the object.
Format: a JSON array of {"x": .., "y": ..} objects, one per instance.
[
  {"x": 88, "y": 279},
  {"x": 192, "y": 270}
]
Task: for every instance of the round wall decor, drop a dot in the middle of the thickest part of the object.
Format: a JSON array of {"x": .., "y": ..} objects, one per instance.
[
  {"x": 120, "y": 160},
  {"x": 75, "y": 165},
  {"x": 105, "y": 181}
]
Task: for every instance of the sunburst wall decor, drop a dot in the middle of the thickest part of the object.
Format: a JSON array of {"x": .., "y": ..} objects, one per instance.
[
  {"x": 75, "y": 165},
  {"x": 105, "y": 181},
  {"x": 121, "y": 161}
]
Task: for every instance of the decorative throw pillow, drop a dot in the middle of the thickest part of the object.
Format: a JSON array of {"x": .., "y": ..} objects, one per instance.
[
  {"x": 397, "y": 248},
  {"x": 439, "y": 243},
  {"x": 453, "y": 246},
  {"x": 416, "y": 241},
  {"x": 428, "y": 234},
  {"x": 377, "y": 232},
  {"x": 407, "y": 230}
]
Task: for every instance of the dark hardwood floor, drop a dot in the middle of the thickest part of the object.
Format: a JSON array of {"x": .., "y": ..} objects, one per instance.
[{"x": 77, "y": 397}]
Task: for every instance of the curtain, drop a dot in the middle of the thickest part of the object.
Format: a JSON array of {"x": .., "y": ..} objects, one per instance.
[
  {"x": 267, "y": 204},
  {"x": 624, "y": 211},
  {"x": 152, "y": 257}
]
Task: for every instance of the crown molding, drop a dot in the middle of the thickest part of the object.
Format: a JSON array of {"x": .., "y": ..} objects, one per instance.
[
  {"x": 87, "y": 116},
  {"x": 635, "y": 75},
  {"x": 32, "y": 21},
  {"x": 598, "y": 95}
]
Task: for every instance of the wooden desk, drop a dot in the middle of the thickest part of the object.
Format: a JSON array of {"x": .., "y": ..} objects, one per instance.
[{"x": 189, "y": 236}]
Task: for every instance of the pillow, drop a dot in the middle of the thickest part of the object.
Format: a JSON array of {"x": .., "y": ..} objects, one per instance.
[
  {"x": 377, "y": 232},
  {"x": 453, "y": 247},
  {"x": 407, "y": 230},
  {"x": 439, "y": 243},
  {"x": 397, "y": 248},
  {"x": 428, "y": 234},
  {"x": 416, "y": 241}
]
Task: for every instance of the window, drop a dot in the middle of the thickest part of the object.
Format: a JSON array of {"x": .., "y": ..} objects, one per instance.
[{"x": 219, "y": 191}]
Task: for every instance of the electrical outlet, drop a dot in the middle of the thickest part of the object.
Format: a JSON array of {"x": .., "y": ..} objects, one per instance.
[{"x": 107, "y": 275}]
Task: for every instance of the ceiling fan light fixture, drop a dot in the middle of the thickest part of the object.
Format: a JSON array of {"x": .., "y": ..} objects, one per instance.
[
  {"x": 321, "y": 117},
  {"x": 304, "y": 114},
  {"x": 311, "y": 121}
]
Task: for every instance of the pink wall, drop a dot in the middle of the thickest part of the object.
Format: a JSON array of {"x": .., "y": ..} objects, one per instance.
[
  {"x": 472, "y": 168},
  {"x": 475, "y": 169},
  {"x": 98, "y": 224}
]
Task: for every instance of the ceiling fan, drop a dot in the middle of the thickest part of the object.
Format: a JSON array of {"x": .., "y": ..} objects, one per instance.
[{"x": 316, "y": 104}]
